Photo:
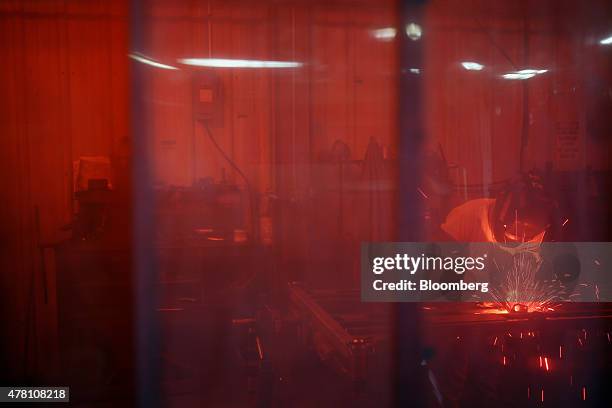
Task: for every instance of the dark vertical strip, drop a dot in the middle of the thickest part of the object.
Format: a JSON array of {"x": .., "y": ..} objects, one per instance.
[
  {"x": 408, "y": 387},
  {"x": 144, "y": 266}
]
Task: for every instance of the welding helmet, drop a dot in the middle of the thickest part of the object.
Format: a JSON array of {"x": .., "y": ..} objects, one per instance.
[{"x": 524, "y": 212}]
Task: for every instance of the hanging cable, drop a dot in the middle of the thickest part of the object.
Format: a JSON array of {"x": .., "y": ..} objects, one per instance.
[{"x": 241, "y": 174}]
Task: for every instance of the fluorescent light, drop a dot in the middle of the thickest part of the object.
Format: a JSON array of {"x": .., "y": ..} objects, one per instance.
[
  {"x": 415, "y": 71},
  {"x": 238, "y": 63},
  {"x": 149, "y": 61},
  {"x": 472, "y": 66},
  {"x": 606, "y": 41},
  {"x": 516, "y": 75},
  {"x": 413, "y": 31},
  {"x": 532, "y": 71},
  {"x": 384, "y": 34},
  {"x": 524, "y": 73}
]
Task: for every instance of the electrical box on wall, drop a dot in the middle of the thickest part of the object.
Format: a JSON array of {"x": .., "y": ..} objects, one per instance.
[{"x": 208, "y": 98}]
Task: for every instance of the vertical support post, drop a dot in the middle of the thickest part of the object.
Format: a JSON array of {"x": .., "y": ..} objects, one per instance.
[
  {"x": 411, "y": 35},
  {"x": 143, "y": 257}
]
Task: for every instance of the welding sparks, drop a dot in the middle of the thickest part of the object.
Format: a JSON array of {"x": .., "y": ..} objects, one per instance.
[
  {"x": 522, "y": 293},
  {"x": 496, "y": 310},
  {"x": 259, "y": 348}
]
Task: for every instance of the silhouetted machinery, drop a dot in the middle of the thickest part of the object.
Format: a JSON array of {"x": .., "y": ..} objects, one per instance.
[{"x": 470, "y": 357}]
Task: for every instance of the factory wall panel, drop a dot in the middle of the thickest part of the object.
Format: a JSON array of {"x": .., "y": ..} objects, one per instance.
[
  {"x": 477, "y": 116},
  {"x": 64, "y": 95}
]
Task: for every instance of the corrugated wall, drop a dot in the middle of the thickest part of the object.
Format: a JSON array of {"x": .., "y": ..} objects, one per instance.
[{"x": 64, "y": 93}]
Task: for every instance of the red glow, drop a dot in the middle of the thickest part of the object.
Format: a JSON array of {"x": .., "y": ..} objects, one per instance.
[
  {"x": 203, "y": 230},
  {"x": 493, "y": 311},
  {"x": 133, "y": 287}
]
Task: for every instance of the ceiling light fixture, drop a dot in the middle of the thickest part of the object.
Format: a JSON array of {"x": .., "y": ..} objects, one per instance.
[
  {"x": 606, "y": 41},
  {"x": 472, "y": 66},
  {"x": 238, "y": 63},
  {"x": 413, "y": 31},
  {"x": 524, "y": 73},
  {"x": 148, "y": 61},
  {"x": 384, "y": 34}
]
